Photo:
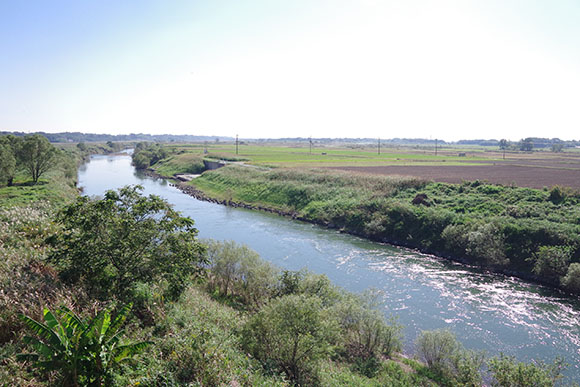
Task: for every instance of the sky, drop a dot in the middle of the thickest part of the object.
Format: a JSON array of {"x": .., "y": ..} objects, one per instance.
[{"x": 442, "y": 69}]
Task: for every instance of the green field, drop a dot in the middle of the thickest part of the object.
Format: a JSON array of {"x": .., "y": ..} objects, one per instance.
[{"x": 301, "y": 155}]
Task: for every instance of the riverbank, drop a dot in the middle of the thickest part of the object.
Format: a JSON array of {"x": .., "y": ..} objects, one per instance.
[
  {"x": 527, "y": 233},
  {"x": 194, "y": 338}
]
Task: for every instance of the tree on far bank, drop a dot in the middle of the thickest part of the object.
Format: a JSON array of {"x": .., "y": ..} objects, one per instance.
[
  {"x": 36, "y": 154},
  {"x": 526, "y": 145},
  {"x": 503, "y": 144}
]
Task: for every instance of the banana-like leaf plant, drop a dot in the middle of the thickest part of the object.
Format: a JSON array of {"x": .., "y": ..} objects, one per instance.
[{"x": 83, "y": 352}]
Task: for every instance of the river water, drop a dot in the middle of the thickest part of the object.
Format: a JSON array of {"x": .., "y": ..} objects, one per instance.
[{"x": 486, "y": 311}]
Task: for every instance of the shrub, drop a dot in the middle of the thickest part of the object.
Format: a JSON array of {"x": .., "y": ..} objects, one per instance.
[
  {"x": 551, "y": 262},
  {"x": 237, "y": 270},
  {"x": 507, "y": 372},
  {"x": 291, "y": 334},
  {"x": 571, "y": 280},
  {"x": 436, "y": 348},
  {"x": 365, "y": 333},
  {"x": 444, "y": 355}
]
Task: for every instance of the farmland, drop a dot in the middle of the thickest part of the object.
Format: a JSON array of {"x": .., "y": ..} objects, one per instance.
[{"x": 450, "y": 164}]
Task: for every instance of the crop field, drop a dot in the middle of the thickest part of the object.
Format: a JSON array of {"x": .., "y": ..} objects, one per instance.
[{"x": 450, "y": 164}]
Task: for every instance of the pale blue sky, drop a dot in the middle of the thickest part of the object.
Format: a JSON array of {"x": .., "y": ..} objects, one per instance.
[{"x": 369, "y": 68}]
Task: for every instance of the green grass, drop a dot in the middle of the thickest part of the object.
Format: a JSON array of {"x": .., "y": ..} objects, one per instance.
[
  {"x": 180, "y": 163},
  {"x": 53, "y": 189},
  {"x": 299, "y": 156}
]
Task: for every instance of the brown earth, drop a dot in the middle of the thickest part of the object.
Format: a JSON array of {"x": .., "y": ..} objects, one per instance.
[{"x": 537, "y": 174}]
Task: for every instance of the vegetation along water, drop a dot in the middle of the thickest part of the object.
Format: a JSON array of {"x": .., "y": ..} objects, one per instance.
[
  {"x": 490, "y": 312},
  {"x": 120, "y": 290}
]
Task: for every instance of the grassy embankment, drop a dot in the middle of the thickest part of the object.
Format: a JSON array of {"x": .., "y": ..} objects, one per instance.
[{"x": 529, "y": 232}]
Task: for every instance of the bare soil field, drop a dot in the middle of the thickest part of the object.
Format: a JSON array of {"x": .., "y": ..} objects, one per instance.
[{"x": 524, "y": 173}]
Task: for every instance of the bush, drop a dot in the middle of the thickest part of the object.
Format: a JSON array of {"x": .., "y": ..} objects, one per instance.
[
  {"x": 290, "y": 335},
  {"x": 551, "y": 262},
  {"x": 444, "y": 355},
  {"x": 507, "y": 372},
  {"x": 239, "y": 271},
  {"x": 571, "y": 280},
  {"x": 436, "y": 348},
  {"x": 365, "y": 333}
]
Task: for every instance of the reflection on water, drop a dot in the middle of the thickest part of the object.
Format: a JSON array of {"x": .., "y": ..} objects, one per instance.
[{"x": 491, "y": 312}]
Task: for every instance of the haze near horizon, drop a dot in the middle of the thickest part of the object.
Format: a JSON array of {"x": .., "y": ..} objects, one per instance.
[{"x": 268, "y": 69}]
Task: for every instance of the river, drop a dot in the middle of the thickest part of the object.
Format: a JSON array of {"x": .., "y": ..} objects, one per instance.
[{"x": 486, "y": 311}]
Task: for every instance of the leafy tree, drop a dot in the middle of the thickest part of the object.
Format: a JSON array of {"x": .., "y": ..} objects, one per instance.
[
  {"x": 7, "y": 164},
  {"x": 36, "y": 155},
  {"x": 557, "y": 148},
  {"x": 9, "y": 147},
  {"x": 526, "y": 145},
  {"x": 82, "y": 352},
  {"x": 291, "y": 334},
  {"x": 110, "y": 245},
  {"x": 503, "y": 143},
  {"x": 507, "y": 372}
]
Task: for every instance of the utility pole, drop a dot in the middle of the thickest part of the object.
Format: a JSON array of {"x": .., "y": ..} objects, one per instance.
[
  {"x": 236, "y": 144},
  {"x": 379, "y": 146},
  {"x": 435, "y": 147},
  {"x": 310, "y": 141}
]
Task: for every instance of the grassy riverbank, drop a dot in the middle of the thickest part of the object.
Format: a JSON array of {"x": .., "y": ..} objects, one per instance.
[{"x": 534, "y": 233}]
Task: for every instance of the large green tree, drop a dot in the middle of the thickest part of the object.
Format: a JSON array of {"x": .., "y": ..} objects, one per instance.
[
  {"x": 36, "y": 154},
  {"x": 111, "y": 245}
]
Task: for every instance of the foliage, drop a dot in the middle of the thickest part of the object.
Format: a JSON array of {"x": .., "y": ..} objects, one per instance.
[
  {"x": 198, "y": 344},
  {"x": 291, "y": 334},
  {"x": 444, "y": 355},
  {"x": 571, "y": 281},
  {"x": 551, "y": 262},
  {"x": 82, "y": 352},
  {"x": 7, "y": 164},
  {"x": 36, "y": 155},
  {"x": 239, "y": 271},
  {"x": 507, "y": 372},
  {"x": 489, "y": 225},
  {"x": 365, "y": 332},
  {"x": 526, "y": 144},
  {"x": 109, "y": 245},
  {"x": 147, "y": 154}
]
